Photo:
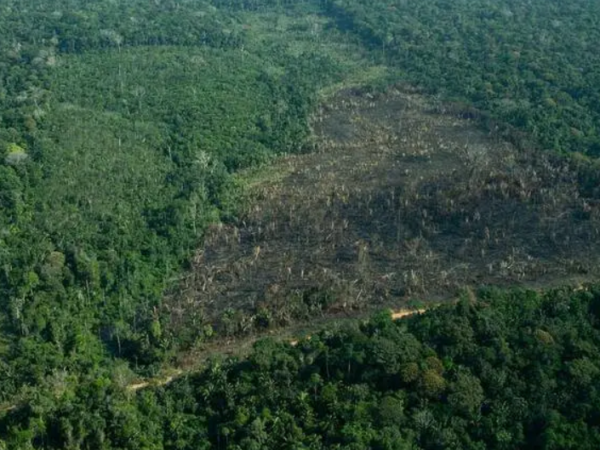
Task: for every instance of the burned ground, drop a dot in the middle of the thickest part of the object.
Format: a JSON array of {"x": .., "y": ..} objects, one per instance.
[{"x": 400, "y": 199}]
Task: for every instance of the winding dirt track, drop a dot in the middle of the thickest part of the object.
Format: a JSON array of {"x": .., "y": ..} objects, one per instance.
[
  {"x": 406, "y": 312},
  {"x": 165, "y": 380}
]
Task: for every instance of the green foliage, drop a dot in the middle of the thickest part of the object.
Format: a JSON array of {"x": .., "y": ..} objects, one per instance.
[
  {"x": 118, "y": 139},
  {"x": 335, "y": 390},
  {"x": 528, "y": 64},
  {"x": 121, "y": 124}
]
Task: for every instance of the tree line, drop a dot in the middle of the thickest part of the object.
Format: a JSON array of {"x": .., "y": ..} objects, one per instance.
[{"x": 498, "y": 370}]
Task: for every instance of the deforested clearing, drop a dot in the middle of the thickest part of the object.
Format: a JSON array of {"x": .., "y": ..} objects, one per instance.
[{"x": 403, "y": 198}]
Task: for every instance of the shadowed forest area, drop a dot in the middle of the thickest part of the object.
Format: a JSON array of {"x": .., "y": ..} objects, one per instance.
[{"x": 208, "y": 209}]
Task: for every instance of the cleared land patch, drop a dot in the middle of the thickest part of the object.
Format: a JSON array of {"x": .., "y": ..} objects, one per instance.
[{"x": 400, "y": 200}]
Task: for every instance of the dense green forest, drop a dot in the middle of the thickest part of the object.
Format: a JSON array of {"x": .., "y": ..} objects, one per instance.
[
  {"x": 132, "y": 132},
  {"x": 529, "y": 64},
  {"x": 117, "y": 148},
  {"x": 503, "y": 370}
]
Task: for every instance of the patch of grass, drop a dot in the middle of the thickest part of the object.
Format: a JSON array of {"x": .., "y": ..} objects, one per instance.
[
  {"x": 358, "y": 76},
  {"x": 262, "y": 176},
  {"x": 313, "y": 33}
]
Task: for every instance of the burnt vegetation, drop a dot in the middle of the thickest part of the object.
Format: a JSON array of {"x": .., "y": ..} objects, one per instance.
[{"x": 402, "y": 198}]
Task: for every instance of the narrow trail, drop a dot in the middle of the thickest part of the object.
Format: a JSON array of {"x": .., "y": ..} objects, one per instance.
[
  {"x": 156, "y": 382},
  {"x": 406, "y": 312},
  {"x": 164, "y": 380}
]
